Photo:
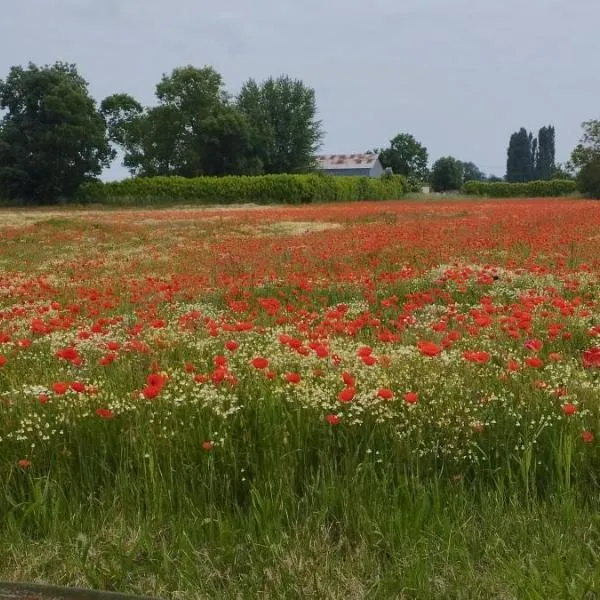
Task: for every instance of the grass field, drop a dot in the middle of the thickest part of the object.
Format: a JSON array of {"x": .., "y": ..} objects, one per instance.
[{"x": 373, "y": 400}]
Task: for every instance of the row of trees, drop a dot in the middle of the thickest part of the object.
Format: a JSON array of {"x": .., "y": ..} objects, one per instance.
[
  {"x": 54, "y": 137},
  {"x": 530, "y": 158},
  {"x": 407, "y": 156}
]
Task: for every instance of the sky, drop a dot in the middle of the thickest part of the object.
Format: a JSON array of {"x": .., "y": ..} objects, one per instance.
[{"x": 460, "y": 75}]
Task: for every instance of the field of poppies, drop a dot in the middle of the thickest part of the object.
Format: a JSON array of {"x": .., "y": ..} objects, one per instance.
[{"x": 370, "y": 400}]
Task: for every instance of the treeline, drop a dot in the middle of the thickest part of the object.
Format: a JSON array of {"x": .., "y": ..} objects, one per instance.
[{"x": 54, "y": 137}]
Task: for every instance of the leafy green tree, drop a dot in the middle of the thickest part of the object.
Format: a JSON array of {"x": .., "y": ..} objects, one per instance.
[
  {"x": 520, "y": 164},
  {"x": 471, "y": 172},
  {"x": 545, "y": 157},
  {"x": 285, "y": 131},
  {"x": 195, "y": 129},
  {"x": 588, "y": 179},
  {"x": 52, "y": 137},
  {"x": 562, "y": 171},
  {"x": 405, "y": 156},
  {"x": 588, "y": 148},
  {"x": 447, "y": 174}
]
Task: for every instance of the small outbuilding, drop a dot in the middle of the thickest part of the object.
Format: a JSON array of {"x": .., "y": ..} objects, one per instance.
[{"x": 362, "y": 165}]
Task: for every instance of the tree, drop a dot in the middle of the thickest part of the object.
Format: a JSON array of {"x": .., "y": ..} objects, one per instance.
[
  {"x": 405, "y": 156},
  {"x": 447, "y": 174},
  {"x": 588, "y": 148},
  {"x": 545, "y": 157},
  {"x": 471, "y": 172},
  {"x": 562, "y": 171},
  {"x": 520, "y": 164},
  {"x": 52, "y": 137},
  {"x": 194, "y": 130},
  {"x": 588, "y": 179},
  {"x": 284, "y": 130}
]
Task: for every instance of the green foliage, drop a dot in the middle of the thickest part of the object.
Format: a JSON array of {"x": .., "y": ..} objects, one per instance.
[
  {"x": 263, "y": 189},
  {"x": 447, "y": 174},
  {"x": 531, "y": 189},
  {"x": 530, "y": 158},
  {"x": 52, "y": 138},
  {"x": 521, "y": 157},
  {"x": 588, "y": 148},
  {"x": 284, "y": 131},
  {"x": 588, "y": 179},
  {"x": 545, "y": 158},
  {"x": 471, "y": 172},
  {"x": 405, "y": 156},
  {"x": 194, "y": 130}
]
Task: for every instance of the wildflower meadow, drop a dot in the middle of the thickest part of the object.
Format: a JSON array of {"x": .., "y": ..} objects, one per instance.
[{"x": 367, "y": 400}]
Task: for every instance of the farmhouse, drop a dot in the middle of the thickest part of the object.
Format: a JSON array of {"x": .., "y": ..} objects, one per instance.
[{"x": 366, "y": 165}]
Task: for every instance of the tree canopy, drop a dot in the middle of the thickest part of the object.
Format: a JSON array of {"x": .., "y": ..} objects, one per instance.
[
  {"x": 52, "y": 137},
  {"x": 405, "y": 156},
  {"x": 284, "y": 130},
  {"x": 530, "y": 158},
  {"x": 447, "y": 174}
]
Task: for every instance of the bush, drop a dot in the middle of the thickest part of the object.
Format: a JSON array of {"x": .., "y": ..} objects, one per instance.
[
  {"x": 531, "y": 189},
  {"x": 588, "y": 180},
  {"x": 262, "y": 189}
]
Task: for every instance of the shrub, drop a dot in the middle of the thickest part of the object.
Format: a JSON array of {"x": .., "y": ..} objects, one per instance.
[
  {"x": 588, "y": 180},
  {"x": 262, "y": 189},
  {"x": 531, "y": 189}
]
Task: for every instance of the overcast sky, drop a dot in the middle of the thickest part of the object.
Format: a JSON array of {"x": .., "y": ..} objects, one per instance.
[{"x": 460, "y": 75}]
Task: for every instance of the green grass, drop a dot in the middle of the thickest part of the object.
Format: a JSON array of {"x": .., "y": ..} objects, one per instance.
[{"x": 438, "y": 541}]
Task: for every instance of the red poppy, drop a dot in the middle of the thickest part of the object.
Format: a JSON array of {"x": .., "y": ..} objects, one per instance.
[
  {"x": 365, "y": 351},
  {"x": 347, "y": 395},
  {"x": 385, "y": 393},
  {"x": 534, "y": 362},
  {"x": 156, "y": 380},
  {"x": 534, "y": 345},
  {"x": 480, "y": 358},
  {"x": 260, "y": 363},
  {"x": 104, "y": 413},
  {"x": 107, "y": 359},
  {"x": 2, "y": 360},
  {"x": 60, "y": 387},
  {"x": 513, "y": 365},
  {"x": 24, "y": 463},
  {"x": 208, "y": 446},
  {"x": 292, "y": 378},
  {"x": 232, "y": 345},
  {"x": 369, "y": 360},
  {"x": 200, "y": 378},
  {"x": 321, "y": 352},
  {"x": 411, "y": 397},
  {"x": 348, "y": 379},
  {"x": 591, "y": 358},
  {"x": 429, "y": 348},
  {"x": 44, "y": 399},
  {"x": 78, "y": 387},
  {"x": 151, "y": 391},
  {"x": 569, "y": 409},
  {"x": 587, "y": 437},
  {"x": 333, "y": 419},
  {"x": 220, "y": 361}
]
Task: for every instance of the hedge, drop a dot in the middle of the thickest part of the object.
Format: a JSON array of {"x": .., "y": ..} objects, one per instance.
[
  {"x": 532, "y": 189},
  {"x": 262, "y": 189}
]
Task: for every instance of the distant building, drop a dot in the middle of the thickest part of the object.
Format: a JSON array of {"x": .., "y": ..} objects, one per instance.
[{"x": 363, "y": 165}]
